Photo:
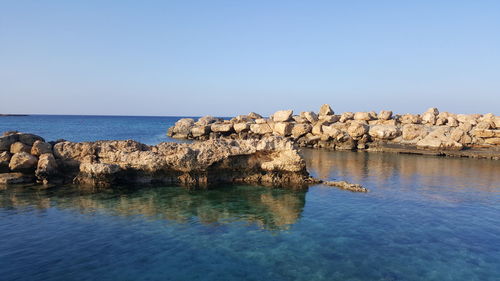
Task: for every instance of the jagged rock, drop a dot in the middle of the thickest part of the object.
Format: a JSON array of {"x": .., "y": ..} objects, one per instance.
[
  {"x": 329, "y": 118},
  {"x": 429, "y": 117},
  {"x": 482, "y": 133},
  {"x": 384, "y": 132},
  {"x": 200, "y": 130},
  {"x": 29, "y": 139},
  {"x": 363, "y": 116},
  {"x": 325, "y": 109},
  {"x": 464, "y": 118},
  {"x": 207, "y": 120},
  {"x": 299, "y": 130},
  {"x": 317, "y": 129},
  {"x": 309, "y": 116},
  {"x": 385, "y": 115},
  {"x": 282, "y": 115},
  {"x": 492, "y": 141},
  {"x": 4, "y": 161},
  {"x": 15, "y": 178},
  {"x": 282, "y": 128},
  {"x": 261, "y": 129},
  {"x": 433, "y": 111},
  {"x": 23, "y": 161},
  {"x": 485, "y": 125},
  {"x": 46, "y": 167},
  {"x": 299, "y": 119},
  {"x": 357, "y": 130},
  {"x": 241, "y": 127},
  {"x": 346, "y": 116},
  {"x": 253, "y": 115},
  {"x": 182, "y": 128},
  {"x": 222, "y": 127},
  {"x": 261, "y": 121},
  {"x": 437, "y": 140},
  {"x": 331, "y": 131},
  {"x": 414, "y": 131},
  {"x": 411, "y": 119},
  {"x": 19, "y": 147},
  {"x": 40, "y": 147}
]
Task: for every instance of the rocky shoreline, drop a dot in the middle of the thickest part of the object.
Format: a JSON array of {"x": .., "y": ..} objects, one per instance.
[
  {"x": 430, "y": 133},
  {"x": 273, "y": 161}
]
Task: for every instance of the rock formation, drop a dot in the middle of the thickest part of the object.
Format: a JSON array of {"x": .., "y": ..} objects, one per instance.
[
  {"x": 267, "y": 161},
  {"x": 433, "y": 132}
]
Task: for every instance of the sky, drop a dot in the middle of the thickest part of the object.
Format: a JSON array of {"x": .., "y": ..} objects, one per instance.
[{"x": 224, "y": 58}]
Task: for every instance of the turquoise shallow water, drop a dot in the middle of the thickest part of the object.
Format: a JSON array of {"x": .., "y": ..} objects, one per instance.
[{"x": 426, "y": 218}]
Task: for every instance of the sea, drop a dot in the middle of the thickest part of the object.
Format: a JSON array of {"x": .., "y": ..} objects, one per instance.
[{"x": 425, "y": 218}]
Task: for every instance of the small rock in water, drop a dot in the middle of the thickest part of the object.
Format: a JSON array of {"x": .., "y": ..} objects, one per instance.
[{"x": 347, "y": 186}]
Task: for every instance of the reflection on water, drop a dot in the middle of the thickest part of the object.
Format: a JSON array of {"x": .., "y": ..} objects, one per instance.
[
  {"x": 266, "y": 207},
  {"x": 389, "y": 170}
]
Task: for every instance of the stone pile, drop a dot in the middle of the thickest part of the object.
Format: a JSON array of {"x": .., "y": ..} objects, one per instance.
[{"x": 433, "y": 131}]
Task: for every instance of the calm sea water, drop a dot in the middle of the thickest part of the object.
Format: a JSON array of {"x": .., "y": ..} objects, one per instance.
[{"x": 426, "y": 218}]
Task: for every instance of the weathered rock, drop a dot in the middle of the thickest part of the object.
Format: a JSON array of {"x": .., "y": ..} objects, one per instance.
[
  {"x": 253, "y": 115},
  {"x": 385, "y": 115},
  {"x": 19, "y": 147},
  {"x": 299, "y": 130},
  {"x": 346, "y": 116},
  {"x": 437, "y": 140},
  {"x": 413, "y": 131},
  {"x": 325, "y": 109},
  {"x": 357, "y": 130},
  {"x": 207, "y": 120},
  {"x": 23, "y": 162},
  {"x": 4, "y": 161},
  {"x": 282, "y": 115},
  {"x": 222, "y": 127},
  {"x": 482, "y": 133},
  {"x": 331, "y": 131},
  {"x": 40, "y": 147},
  {"x": 411, "y": 119},
  {"x": 363, "y": 116},
  {"x": 261, "y": 129},
  {"x": 492, "y": 141},
  {"x": 200, "y": 130},
  {"x": 309, "y": 116},
  {"x": 260, "y": 121},
  {"x": 384, "y": 132},
  {"x": 182, "y": 128},
  {"x": 7, "y": 140},
  {"x": 347, "y": 186},
  {"x": 29, "y": 139},
  {"x": 299, "y": 119},
  {"x": 429, "y": 118},
  {"x": 282, "y": 128},
  {"x": 241, "y": 127},
  {"x": 46, "y": 168},
  {"x": 329, "y": 118}
]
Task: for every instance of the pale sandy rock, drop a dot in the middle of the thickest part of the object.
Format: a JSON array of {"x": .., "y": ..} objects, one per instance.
[
  {"x": 465, "y": 118},
  {"x": 466, "y": 127},
  {"x": 429, "y": 118},
  {"x": 260, "y": 121},
  {"x": 413, "y": 131},
  {"x": 40, "y": 147},
  {"x": 496, "y": 121},
  {"x": 325, "y": 109},
  {"x": 309, "y": 116},
  {"x": 485, "y": 125},
  {"x": 317, "y": 129},
  {"x": 357, "y": 130},
  {"x": 302, "y": 129},
  {"x": 254, "y": 115},
  {"x": 46, "y": 167},
  {"x": 411, "y": 119},
  {"x": 331, "y": 131},
  {"x": 241, "y": 127},
  {"x": 22, "y": 161},
  {"x": 492, "y": 141},
  {"x": 282, "y": 128},
  {"x": 364, "y": 116},
  {"x": 282, "y": 115},
  {"x": 460, "y": 136},
  {"x": 207, "y": 120},
  {"x": 261, "y": 129},
  {"x": 385, "y": 115},
  {"x": 391, "y": 122},
  {"x": 433, "y": 111},
  {"x": 19, "y": 147},
  {"x": 437, "y": 140},
  {"x": 200, "y": 130},
  {"x": 299, "y": 119},
  {"x": 484, "y": 133},
  {"x": 346, "y": 116},
  {"x": 221, "y": 127},
  {"x": 440, "y": 121},
  {"x": 384, "y": 132},
  {"x": 373, "y": 115},
  {"x": 182, "y": 128},
  {"x": 329, "y": 118}
]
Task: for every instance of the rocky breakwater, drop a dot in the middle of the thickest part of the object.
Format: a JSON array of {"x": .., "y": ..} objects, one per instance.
[
  {"x": 433, "y": 132},
  {"x": 26, "y": 158}
]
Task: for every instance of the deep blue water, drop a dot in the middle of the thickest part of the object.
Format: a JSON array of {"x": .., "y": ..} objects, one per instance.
[{"x": 426, "y": 218}]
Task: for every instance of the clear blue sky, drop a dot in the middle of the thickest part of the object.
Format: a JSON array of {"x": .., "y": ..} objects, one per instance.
[{"x": 231, "y": 57}]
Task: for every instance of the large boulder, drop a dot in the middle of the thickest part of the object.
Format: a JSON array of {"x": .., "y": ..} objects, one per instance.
[
  {"x": 40, "y": 147},
  {"x": 384, "y": 132},
  {"x": 439, "y": 140},
  {"x": 357, "y": 129},
  {"x": 309, "y": 116},
  {"x": 7, "y": 140},
  {"x": 484, "y": 133},
  {"x": 282, "y": 115},
  {"x": 29, "y": 139},
  {"x": 23, "y": 162},
  {"x": 346, "y": 116},
  {"x": 253, "y": 115},
  {"x": 182, "y": 128},
  {"x": 241, "y": 127},
  {"x": 46, "y": 167},
  {"x": 414, "y": 132},
  {"x": 282, "y": 128},
  {"x": 331, "y": 131},
  {"x": 301, "y": 129},
  {"x": 385, "y": 115},
  {"x": 222, "y": 127},
  {"x": 325, "y": 109},
  {"x": 200, "y": 130},
  {"x": 261, "y": 129},
  {"x": 207, "y": 120},
  {"x": 19, "y": 147},
  {"x": 411, "y": 119},
  {"x": 362, "y": 116}
]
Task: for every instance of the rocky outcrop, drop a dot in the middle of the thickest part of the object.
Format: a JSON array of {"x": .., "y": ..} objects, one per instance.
[
  {"x": 267, "y": 161},
  {"x": 433, "y": 132}
]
